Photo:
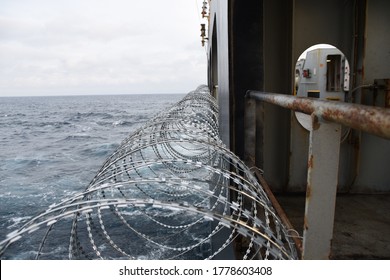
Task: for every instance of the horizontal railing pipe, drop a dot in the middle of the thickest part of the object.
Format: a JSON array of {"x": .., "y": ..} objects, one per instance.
[{"x": 369, "y": 119}]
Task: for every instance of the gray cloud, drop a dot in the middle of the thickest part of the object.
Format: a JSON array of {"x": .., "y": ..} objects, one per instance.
[{"x": 99, "y": 47}]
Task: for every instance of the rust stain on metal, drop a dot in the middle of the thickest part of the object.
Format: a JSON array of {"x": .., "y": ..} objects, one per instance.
[
  {"x": 308, "y": 192},
  {"x": 305, "y": 223},
  {"x": 311, "y": 162},
  {"x": 303, "y": 105},
  {"x": 368, "y": 120},
  {"x": 315, "y": 121},
  {"x": 310, "y": 165},
  {"x": 279, "y": 209}
]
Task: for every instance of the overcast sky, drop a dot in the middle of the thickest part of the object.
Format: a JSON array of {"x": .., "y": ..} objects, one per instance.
[{"x": 57, "y": 47}]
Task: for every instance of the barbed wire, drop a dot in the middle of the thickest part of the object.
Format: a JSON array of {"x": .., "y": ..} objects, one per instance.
[{"x": 171, "y": 190}]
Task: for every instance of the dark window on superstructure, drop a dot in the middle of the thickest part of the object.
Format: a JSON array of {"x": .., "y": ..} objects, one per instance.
[{"x": 333, "y": 73}]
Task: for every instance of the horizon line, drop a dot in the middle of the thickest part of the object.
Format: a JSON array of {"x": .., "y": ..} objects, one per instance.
[{"x": 92, "y": 94}]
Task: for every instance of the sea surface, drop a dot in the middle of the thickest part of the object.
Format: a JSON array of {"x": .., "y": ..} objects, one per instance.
[{"x": 52, "y": 147}]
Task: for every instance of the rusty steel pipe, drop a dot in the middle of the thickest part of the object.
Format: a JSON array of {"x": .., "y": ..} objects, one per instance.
[{"x": 369, "y": 119}]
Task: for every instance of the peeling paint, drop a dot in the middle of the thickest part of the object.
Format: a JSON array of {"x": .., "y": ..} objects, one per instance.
[
  {"x": 310, "y": 163},
  {"x": 315, "y": 121}
]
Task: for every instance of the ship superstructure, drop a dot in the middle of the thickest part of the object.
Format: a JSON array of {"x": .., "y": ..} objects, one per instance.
[{"x": 278, "y": 112}]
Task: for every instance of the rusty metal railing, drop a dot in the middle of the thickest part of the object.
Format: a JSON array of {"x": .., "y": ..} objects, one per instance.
[
  {"x": 369, "y": 119},
  {"x": 323, "y": 158}
]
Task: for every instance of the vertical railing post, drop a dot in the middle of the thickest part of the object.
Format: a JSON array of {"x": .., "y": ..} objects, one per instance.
[{"x": 322, "y": 178}]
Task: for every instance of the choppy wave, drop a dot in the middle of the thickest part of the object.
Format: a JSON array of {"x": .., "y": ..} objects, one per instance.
[
  {"x": 51, "y": 147},
  {"x": 171, "y": 187},
  {"x": 93, "y": 115},
  {"x": 102, "y": 150},
  {"x": 81, "y": 137}
]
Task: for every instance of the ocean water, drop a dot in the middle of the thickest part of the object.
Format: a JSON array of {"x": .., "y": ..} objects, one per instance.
[{"x": 51, "y": 147}]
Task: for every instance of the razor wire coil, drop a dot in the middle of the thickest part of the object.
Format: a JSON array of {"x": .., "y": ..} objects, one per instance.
[{"x": 171, "y": 190}]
